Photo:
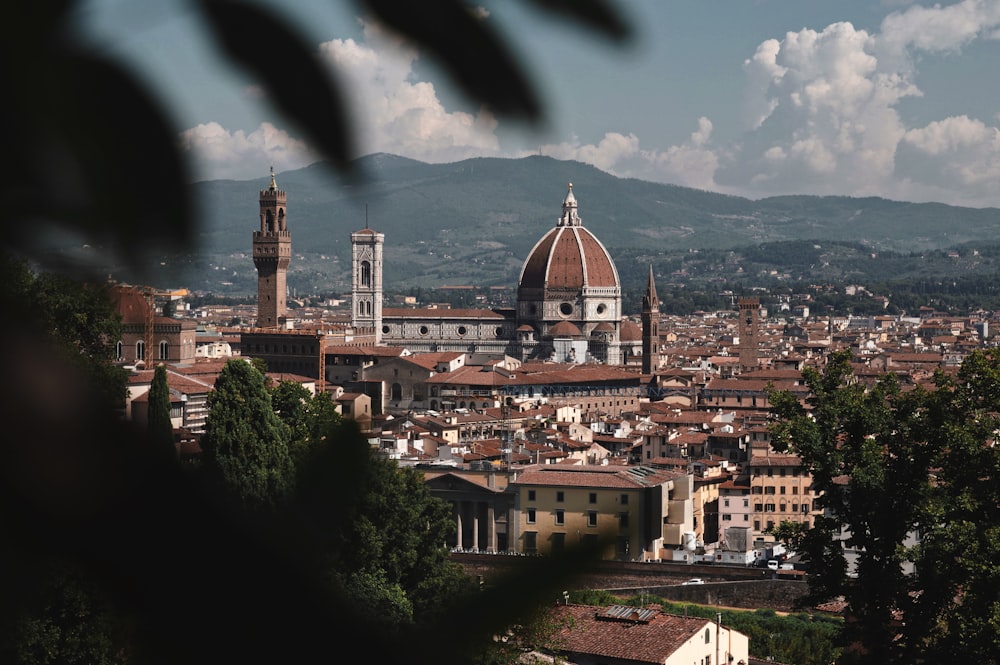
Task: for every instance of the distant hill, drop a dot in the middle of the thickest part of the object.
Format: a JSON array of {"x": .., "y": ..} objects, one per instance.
[{"x": 474, "y": 221}]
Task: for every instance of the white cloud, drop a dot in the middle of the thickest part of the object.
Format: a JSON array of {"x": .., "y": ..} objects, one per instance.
[
  {"x": 958, "y": 153},
  {"x": 821, "y": 116},
  {"x": 821, "y": 110},
  {"x": 395, "y": 113},
  {"x": 390, "y": 112},
  {"x": 219, "y": 153}
]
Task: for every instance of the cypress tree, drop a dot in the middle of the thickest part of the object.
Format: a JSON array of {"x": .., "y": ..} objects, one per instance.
[
  {"x": 245, "y": 445},
  {"x": 160, "y": 429}
]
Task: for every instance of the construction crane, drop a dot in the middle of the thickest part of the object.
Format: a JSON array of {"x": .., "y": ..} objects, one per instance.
[
  {"x": 150, "y": 294},
  {"x": 322, "y": 361}
]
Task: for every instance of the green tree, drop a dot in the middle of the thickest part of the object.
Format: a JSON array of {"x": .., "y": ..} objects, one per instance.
[
  {"x": 399, "y": 529},
  {"x": 376, "y": 525},
  {"x": 310, "y": 418},
  {"x": 871, "y": 463},
  {"x": 956, "y": 616},
  {"x": 160, "y": 427},
  {"x": 891, "y": 464},
  {"x": 98, "y": 168},
  {"x": 245, "y": 443},
  {"x": 72, "y": 321}
]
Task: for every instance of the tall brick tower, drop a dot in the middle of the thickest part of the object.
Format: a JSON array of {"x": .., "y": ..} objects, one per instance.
[
  {"x": 272, "y": 252},
  {"x": 749, "y": 332},
  {"x": 366, "y": 283},
  {"x": 650, "y": 327}
]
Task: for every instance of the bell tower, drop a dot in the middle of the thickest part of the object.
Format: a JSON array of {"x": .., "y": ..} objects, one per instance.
[
  {"x": 650, "y": 327},
  {"x": 366, "y": 282},
  {"x": 749, "y": 323},
  {"x": 272, "y": 252}
]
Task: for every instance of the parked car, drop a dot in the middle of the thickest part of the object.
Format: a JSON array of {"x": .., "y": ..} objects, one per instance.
[
  {"x": 772, "y": 564},
  {"x": 694, "y": 580}
]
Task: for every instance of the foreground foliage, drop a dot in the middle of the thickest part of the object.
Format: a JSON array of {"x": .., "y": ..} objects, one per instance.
[{"x": 911, "y": 476}]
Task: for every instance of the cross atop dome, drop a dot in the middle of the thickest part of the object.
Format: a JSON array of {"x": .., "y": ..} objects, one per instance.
[{"x": 569, "y": 217}]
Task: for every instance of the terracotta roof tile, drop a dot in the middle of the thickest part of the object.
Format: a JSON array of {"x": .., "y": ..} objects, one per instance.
[{"x": 650, "y": 637}]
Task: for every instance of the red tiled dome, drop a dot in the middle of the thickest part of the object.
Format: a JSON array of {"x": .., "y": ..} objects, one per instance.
[
  {"x": 630, "y": 331},
  {"x": 568, "y": 257},
  {"x": 565, "y": 329}
]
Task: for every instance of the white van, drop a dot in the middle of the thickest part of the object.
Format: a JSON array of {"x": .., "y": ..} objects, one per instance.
[{"x": 772, "y": 564}]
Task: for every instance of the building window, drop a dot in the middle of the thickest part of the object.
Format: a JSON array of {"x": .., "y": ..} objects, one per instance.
[
  {"x": 118, "y": 350},
  {"x": 558, "y": 542},
  {"x": 624, "y": 499},
  {"x": 768, "y": 507},
  {"x": 795, "y": 490},
  {"x": 726, "y": 503},
  {"x": 140, "y": 350},
  {"x": 781, "y": 490},
  {"x": 756, "y": 525},
  {"x": 623, "y": 520},
  {"x": 592, "y": 497},
  {"x": 531, "y": 495},
  {"x": 530, "y": 516},
  {"x": 560, "y": 496},
  {"x": 560, "y": 517},
  {"x": 726, "y": 517},
  {"x": 708, "y": 636},
  {"x": 757, "y": 507},
  {"x": 746, "y": 518},
  {"x": 531, "y": 542},
  {"x": 746, "y": 503},
  {"x": 366, "y": 273},
  {"x": 592, "y": 518}
]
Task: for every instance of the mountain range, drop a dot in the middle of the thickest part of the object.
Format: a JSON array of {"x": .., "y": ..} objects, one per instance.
[{"x": 473, "y": 222}]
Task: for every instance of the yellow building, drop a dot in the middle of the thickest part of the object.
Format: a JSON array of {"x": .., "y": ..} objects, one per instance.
[
  {"x": 636, "y": 511},
  {"x": 780, "y": 491}
]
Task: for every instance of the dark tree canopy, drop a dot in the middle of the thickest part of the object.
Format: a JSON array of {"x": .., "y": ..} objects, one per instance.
[
  {"x": 910, "y": 475},
  {"x": 245, "y": 443},
  {"x": 197, "y": 584}
]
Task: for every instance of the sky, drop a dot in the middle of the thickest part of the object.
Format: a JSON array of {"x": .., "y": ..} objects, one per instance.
[{"x": 753, "y": 98}]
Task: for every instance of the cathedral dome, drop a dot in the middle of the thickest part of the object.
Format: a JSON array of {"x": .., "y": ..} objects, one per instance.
[
  {"x": 569, "y": 257},
  {"x": 630, "y": 331}
]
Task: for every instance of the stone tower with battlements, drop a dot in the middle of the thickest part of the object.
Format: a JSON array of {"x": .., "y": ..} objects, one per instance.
[
  {"x": 366, "y": 282},
  {"x": 272, "y": 252}
]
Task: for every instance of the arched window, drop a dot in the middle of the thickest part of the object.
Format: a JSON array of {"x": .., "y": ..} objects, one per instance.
[
  {"x": 281, "y": 220},
  {"x": 119, "y": 347},
  {"x": 366, "y": 273},
  {"x": 164, "y": 350},
  {"x": 269, "y": 221},
  {"x": 140, "y": 350}
]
